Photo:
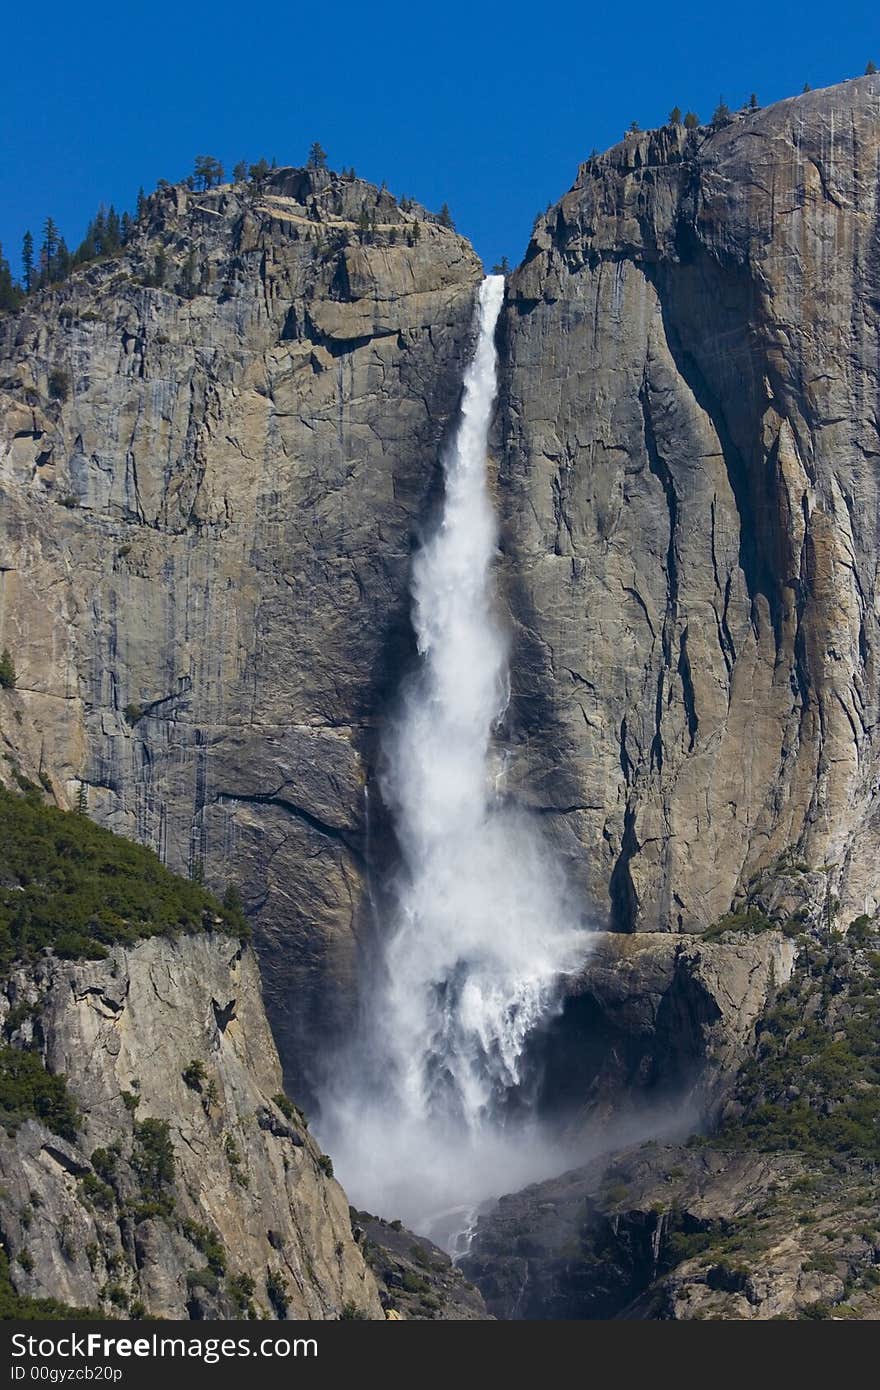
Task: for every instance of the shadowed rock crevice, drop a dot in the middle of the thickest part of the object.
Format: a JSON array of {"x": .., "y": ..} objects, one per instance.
[
  {"x": 624, "y": 899},
  {"x": 718, "y": 358}
]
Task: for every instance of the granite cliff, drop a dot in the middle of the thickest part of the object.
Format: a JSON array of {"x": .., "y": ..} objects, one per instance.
[
  {"x": 216, "y": 451},
  {"x": 150, "y": 1160},
  {"x": 211, "y": 489},
  {"x": 190, "y": 1187},
  {"x": 689, "y": 441}
]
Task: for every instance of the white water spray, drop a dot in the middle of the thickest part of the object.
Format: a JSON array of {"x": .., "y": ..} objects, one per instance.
[{"x": 483, "y": 929}]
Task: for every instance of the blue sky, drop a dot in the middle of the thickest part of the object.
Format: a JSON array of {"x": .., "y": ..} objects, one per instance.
[{"x": 487, "y": 107}]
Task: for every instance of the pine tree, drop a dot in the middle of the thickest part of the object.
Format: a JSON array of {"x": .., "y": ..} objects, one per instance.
[
  {"x": 99, "y": 232},
  {"x": 445, "y": 217},
  {"x": 675, "y": 116},
  {"x": 87, "y": 249},
  {"x": 721, "y": 114},
  {"x": 125, "y": 228},
  {"x": 27, "y": 260},
  {"x": 807, "y": 87},
  {"x": 141, "y": 207},
  {"x": 317, "y": 156},
  {"x": 753, "y": 103},
  {"x": 7, "y": 670},
  {"x": 207, "y": 171},
  {"x": 10, "y": 294},
  {"x": 260, "y": 170},
  {"x": 691, "y": 121},
  {"x": 63, "y": 260},
  {"x": 240, "y": 171},
  {"x": 635, "y": 128},
  {"x": 112, "y": 240},
  {"x": 871, "y": 68},
  {"x": 232, "y": 900},
  {"x": 49, "y": 248}
]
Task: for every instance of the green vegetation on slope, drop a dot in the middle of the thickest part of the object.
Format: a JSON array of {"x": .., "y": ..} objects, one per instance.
[
  {"x": 67, "y": 884},
  {"x": 814, "y": 1082},
  {"x": 749, "y": 921},
  {"x": 28, "y": 1091}
]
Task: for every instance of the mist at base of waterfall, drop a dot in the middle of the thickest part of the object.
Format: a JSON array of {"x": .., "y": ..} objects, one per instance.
[
  {"x": 437, "y": 1179},
  {"x": 433, "y": 1177}
]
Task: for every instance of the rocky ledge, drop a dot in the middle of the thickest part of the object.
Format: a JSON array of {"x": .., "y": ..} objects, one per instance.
[
  {"x": 654, "y": 1020},
  {"x": 770, "y": 1213}
]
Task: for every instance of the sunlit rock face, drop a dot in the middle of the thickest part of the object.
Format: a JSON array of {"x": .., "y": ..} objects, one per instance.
[
  {"x": 170, "y": 1034},
  {"x": 210, "y": 492},
  {"x": 688, "y": 439}
]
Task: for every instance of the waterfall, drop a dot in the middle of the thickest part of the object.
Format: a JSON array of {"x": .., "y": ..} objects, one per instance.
[{"x": 481, "y": 928}]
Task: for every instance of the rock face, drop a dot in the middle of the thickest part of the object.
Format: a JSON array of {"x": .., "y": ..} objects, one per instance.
[
  {"x": 677, "y": 1233},
  {"x": 688, "y": 447},
  {"x": 210, "y": 487},
  {"x": 653, "y": 1021},
  {"x": 772, "y": 1215},
  {"x": 417, "y": 1280},
  {"x": 249, "y": 1198}
]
